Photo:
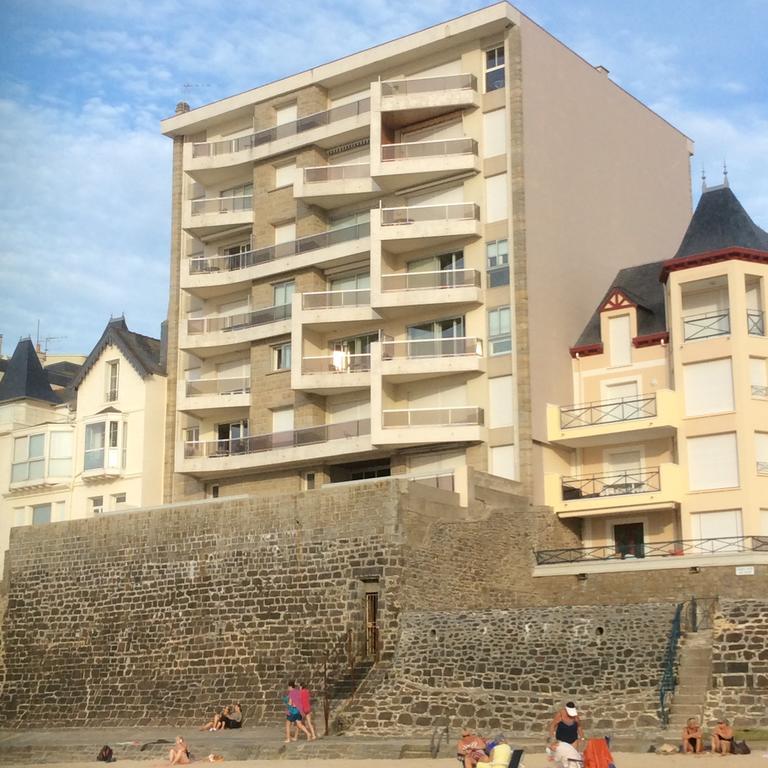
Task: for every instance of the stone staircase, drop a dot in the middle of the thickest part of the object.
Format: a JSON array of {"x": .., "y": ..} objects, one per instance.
[
  {"x": 694, "y": 674},
  {"x": 343, "y": 689}
]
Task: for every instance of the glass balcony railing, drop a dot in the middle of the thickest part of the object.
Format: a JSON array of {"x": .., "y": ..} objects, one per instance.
[
  {"x": 292, "y": 439},
  {"x": 353, "y": 297},
  {"x": 468, "y": 415},
  {"x": 429, "y": 84},
  {"x": 222, "y": 205},
  {"x": 204, "y": 264},
  {"x": 316, "y": 120},
  {"x": 607, "y": 412},
  {"x": 234, "y": 386},
  {"x": 340, "y": 362},
  {"x": 419, "y": 281},
  {"x": 466, "y": 346},
  {"x": 418, "y": 149},
  {"x": 755, "y": 322},
  {"x": 611, "y": 484},
  {"x": 420, "y": 213},
  {"x": 336, "y": 172},
  {"x": 707, "y": 325},
  {"x": 198, "y": 325}
]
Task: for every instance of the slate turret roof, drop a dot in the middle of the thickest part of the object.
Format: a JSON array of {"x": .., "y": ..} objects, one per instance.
[{"x": 25, "y": 377}]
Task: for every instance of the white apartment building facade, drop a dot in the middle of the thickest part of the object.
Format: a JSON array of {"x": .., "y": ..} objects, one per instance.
[{"x": 376, "y": 262}]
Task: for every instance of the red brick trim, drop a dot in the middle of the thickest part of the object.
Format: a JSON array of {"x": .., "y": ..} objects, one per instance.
[
  {"x": 712, "y": 257},
  {"x": 586, "y": 350},
  {"x": 617, "y": 300},
  {"x": 651, "y": 339}
]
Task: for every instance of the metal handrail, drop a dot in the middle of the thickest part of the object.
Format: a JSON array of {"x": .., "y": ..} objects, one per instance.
[
  {"x": 669, "y": 667},
  {"x": 419, "y": 281},
  {"x": 320, "y": 173},
  {"x": 350, "y": 297},
  {"x": 437, "y": 212},
  {"x": 607, "y": 411},
  {"x": 755, "y": 322},
  {"x": 463, "y": 81},
  {"x": 762, "y": 467},
  {"x": 458, "y": 346},
  {"x": 198, "y": 325},
  {"x": 406, "y": 150},
  {"x": 432, "y": 417},
  {"x": 706, "y": 325},
  {"x": 651, "y": 549},
  {"x": 228, "y": 146},
  {"x": 611, "y": 484},
  {"x": 202, "y": 264},
  {"x": 759, "y": 390}
]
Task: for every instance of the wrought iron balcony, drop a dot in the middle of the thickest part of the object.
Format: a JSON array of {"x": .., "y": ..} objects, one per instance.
[
  {"x": 755, "y": 322},
  {"x": 414, "y": 348},
  {"x": 228, "y": 146},
  {"x": 198, "y": 325},
  {"x": 231, "y": 204},
  {"x": 419, "y": 281},
  {"x": 233, "y": 386},
  {"x": 202, "y": 264},
  {"x": 323, "y": 173},
  {"x": 276, "y": 440},
  {"x": 707, "y": 325},
  {"x": 340, "y": 362},
  {"x": 437, "y": 148},
  {"x": 645, "y": 549},
  {"x": 607, "y": 411},
  {"x": 468, "y": 415},
  {"x": 429, "y": 84},
  {"x": 423, "y": 213},
  {"x": 355, "y": 297},
  {"x": 611, "y": 484}
]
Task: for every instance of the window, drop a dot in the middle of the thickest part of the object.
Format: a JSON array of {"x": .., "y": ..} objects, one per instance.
[
  {"x": 494, "y": 69},
  {"x": 761, "y": 452},
  {"x": 105, "y": 446},
  {"x": 282, "y": 293},
  {"x": 620, "y": 340},
  {"x": 41, "y": 513},
  {"x": 60, "y": 454},
  {"x": 708, "y": 387},
  {"x": 235, "y": 254},
  {"x": 118, "y": 500},
  {"x": 232, "y": 437},
  {"x": 236, "y": 198},
  {"x": 285, "y": 233},
  {"x": 28, "y": 458},
  {"x": 113, "y": 367},
  {"x": 285, "y": 175},
  {"x": 721, "y": 525},
  {"x": 286, "y": 113},
  {"x": 495, "y": 133},
  {"x": 758, "y": 374},
  {"x": 496, "y": 197},
  {"x": 501, "y": 402},
  {"x": 503, "y": 461},
  {"x": 213, "y": 491},
  {"x": 96, "y": 504},
  {"x": 281, "y": 357},
  {"x": 439, "y": 338},
  {"x": 497, "y": 254},
  {"x": 713, "y": 462},
  {"x": 309, "y": 481},
  {"x": 499, "y": 331},
  {"x": 192, "y": 434}
]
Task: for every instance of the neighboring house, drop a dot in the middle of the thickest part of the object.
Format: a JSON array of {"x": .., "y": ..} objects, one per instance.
[
  {"x": 91, "y": 444},
  {"x": 376, "y": 262},
  {"x": 666, "y": 450}
]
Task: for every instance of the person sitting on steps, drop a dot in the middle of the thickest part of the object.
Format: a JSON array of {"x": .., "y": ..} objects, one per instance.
[
  {"x": 692, "y": 737},
  {"x": 722, "y": 738}
]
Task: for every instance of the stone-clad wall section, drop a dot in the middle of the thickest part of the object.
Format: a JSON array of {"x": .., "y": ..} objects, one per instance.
[
  {"x": 739, "y": 688},
  {"x": 159, "y": 618},
  {"x": 511, "y": 670}
]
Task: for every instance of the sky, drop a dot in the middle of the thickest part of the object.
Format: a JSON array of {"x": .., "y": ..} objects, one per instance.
[{"x": 85, "y": 173}]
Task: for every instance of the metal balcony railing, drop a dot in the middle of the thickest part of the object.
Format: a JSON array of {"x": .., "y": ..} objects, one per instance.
[
  {"x": 707, "y": 325},
  {"x": 647, "y": 549},
  {"x": 198, "y": 325},
  {"x": 233, "y": 386},
  {"x": 353, "y": 297},
  {"x": 228, "y": 146},
  {"x": 204, "y": 264},
  {"x": 340, "y": 362},
  {"x": 607, "y": 411},
  {"x": 755, "y": 322},
  {"x": 611, "y": 484},
  {"x": 468, "y": 415},
  {"x": 292, "y": 439},
  {"x": 419, "y": 213},
  {"x": 321, "y": 173},
  {"x": 428, "y": 84},
  {"x": 436, "y": 148},
  {"x": 419, "y": 281},
  {"x": 759, "y": 390},
  {"x": 762, "y": 467},
  {"x": 221, "y": 204},
  {"x": 460, "y": 346}
]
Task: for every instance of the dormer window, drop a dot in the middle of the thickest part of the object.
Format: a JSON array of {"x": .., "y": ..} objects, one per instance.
[{"x": 112, "y": 381}]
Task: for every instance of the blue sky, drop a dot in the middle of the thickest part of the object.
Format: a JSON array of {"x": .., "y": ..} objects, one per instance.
[{"x": 85, "y": 173}]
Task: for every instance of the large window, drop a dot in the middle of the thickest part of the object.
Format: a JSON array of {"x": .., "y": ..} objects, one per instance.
[
  {"x": 236, "y": 198},
  {"x": 105, "y": 445},
  {"x": 282, "y": 293},
  {"x": 497, "y": 254},
  {"x": 60, "y": 454},
  {"x": 494, "y": 69},
  {"x": 713, "y": 462},
  {"x": 708, "y": 387},
  {"x": 499, "y": 331},
  {"x": 28, "y": 458}
]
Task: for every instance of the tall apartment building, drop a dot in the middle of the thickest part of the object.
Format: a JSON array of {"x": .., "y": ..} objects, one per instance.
[
  {"x": 376, "y": 263},
  {"x": 665, "y": 449}
]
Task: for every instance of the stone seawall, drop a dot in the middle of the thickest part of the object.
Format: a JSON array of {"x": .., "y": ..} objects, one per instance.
[{"x": 511, "y": 669}]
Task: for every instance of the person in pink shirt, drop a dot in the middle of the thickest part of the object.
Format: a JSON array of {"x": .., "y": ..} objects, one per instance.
[
  {"x": 306, "y": 708},
  {"x": 293, "y": 714}
]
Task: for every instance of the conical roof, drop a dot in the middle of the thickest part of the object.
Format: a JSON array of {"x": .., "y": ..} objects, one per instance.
[{"x": 25, "y": 377}]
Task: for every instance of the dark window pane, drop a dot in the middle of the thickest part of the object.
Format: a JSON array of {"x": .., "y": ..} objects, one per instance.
[
  {"x": 499, "y": 276},
  {"x": 494, "y": 80}
]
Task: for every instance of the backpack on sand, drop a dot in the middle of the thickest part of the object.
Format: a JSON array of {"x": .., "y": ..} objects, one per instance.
[{"x": 105, "y": 755}]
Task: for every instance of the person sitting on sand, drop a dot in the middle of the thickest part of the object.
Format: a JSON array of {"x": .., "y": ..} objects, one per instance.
[
  {"x": 692, "y": 737},
  {"x": 471, "y": 748},
  {"x": 179, "y": 754},
  {"x": 722, "y": 738},
  {"x": 215, "y": 723}
]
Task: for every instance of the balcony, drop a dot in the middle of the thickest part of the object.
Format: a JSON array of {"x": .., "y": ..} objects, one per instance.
[
  {"x": 349, "y": 438},
  {"x": 762, "y": 467},
  {"x": 209, "y": 214},
  {"x": 330, "y": 186},
  {"x": 411, "y": 426},
  {"x": 755, "y": 322},
  {"x": 205, "y": 395},
  {"x": 209, "y": 271},
  {"x": 610, "y": 492},
  {"x": 333, "y": 374},
  {"x": 760, "y": 390},
  {"x": 626, "y": 419},
  {"x": 407, "y": 360},
  {"x": 228, "y": 330},
  {"x": 326, "y": 309},
  {"x": 418, "y": 226},
  {"x": 707, "y": 325},
  {"x": 332, "y": 126},
  {"x": 354, "y": 297},
  {"x": 409, "y": 289},
  {"x": 437, "y": 94},
  {"x": 422, "y": 161}
]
